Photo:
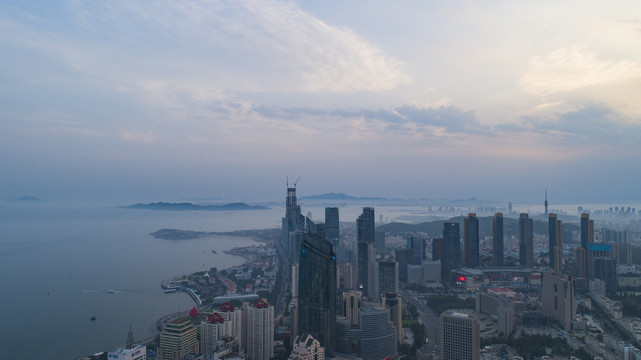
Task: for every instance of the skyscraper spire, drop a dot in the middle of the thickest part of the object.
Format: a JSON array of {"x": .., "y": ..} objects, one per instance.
[
  {"x": 130, "y": 339},
  {"x": 546, "y": 203}
]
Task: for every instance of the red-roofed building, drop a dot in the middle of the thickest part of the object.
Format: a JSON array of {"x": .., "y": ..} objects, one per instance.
[
  {"x": 260, "y": 331},
  {"x": 215, "y": 318},
  {"x": 194, "y": 312},
  {"x": 261, "y": 304},
  {"x": 226, "y": 307}
]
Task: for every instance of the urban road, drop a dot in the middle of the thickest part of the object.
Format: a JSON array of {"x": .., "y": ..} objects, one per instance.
[{"x": 429, "y": 320}]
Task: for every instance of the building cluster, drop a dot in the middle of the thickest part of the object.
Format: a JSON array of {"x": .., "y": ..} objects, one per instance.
[{"x": 346, "y": 297}]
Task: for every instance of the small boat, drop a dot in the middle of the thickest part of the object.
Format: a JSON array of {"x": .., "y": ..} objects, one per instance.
[
  {"x": 93, "y": 318},
  {"x": 110, "y": 291},
  {"x": 169, "y": 291}
]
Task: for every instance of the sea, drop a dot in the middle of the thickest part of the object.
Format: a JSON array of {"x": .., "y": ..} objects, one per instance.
[{"x": 63, "y": 263}]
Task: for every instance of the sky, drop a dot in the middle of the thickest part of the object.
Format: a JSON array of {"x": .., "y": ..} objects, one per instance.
[{"x": 168, "y": 100}]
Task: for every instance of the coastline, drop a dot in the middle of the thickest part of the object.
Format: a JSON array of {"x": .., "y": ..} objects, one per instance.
[{"x": 175, "y": 282}]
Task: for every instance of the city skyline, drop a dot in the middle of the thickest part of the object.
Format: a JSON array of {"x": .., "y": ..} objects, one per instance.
[{"x": 212, "y": 99}]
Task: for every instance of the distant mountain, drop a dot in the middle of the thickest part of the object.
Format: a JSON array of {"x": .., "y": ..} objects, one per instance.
[
  {"x": 194, "y": 207},
  {"x": 26, "y": 199},
  {"x": 339, "y": 196}
]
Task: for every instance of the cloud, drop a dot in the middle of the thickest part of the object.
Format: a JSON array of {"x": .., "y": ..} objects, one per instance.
[
  {"x": 572, "y": 68},
  {"x": 252, "y": 46},
  {"x": 138, "y": 137},
  {"x": 591, "y": 124},
  {"x": 450, "y": 118}
]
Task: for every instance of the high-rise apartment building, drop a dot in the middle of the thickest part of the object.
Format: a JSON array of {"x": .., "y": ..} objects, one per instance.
[
  {"x": 451, "y": 254},
  {"x": 526, "y": 240},
  {"x": 497, "y": 240},
  {"x": 471, "y": 241},
  {"x": 260, "y": 331},
  {"x": 212, "y": 330},
  {"x": 317, "y": 290},
  {"x": 178, "y": 339},
  {"x": 459, "y": 336}
]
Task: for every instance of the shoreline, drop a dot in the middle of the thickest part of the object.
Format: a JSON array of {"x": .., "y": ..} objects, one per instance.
[{"x": 174, "y": 282}]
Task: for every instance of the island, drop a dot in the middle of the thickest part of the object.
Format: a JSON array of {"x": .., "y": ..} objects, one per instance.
[
  {"x": 176, "y": 234},
  {"x": 194, "y": 207}
]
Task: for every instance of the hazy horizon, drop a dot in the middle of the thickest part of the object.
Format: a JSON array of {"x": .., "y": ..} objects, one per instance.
[{"x": 165, "y": 101}]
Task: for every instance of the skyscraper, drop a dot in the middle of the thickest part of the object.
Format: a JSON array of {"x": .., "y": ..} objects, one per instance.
[
  {"x": 526, "y": 240},
  {"x": 317, "y": 290},
  {"x": 332, "y": 226},
  {"x": 292, "y": 219},
  {"x": 558, "y": 248},
  {"x": 471, "y": 241},
  {"x": 551, "y": 237},
  {"x": 418, "y": 250},
  {"x": 388, "y": 280},
  {"x": 379, "y": 235},
  {"x": 497, "y": 239},
  {"x": 366, "y": 243},
  {"x": 459, "y": 336},
  {"x": 260, "y": 331},
  {"x": 587, "y": 230},
  {"x": 365, "y": 226},
  {"x": 451, "y": 256},
  {"x": 403, "y": 258},
  {"x": 437, "y": 248}
]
